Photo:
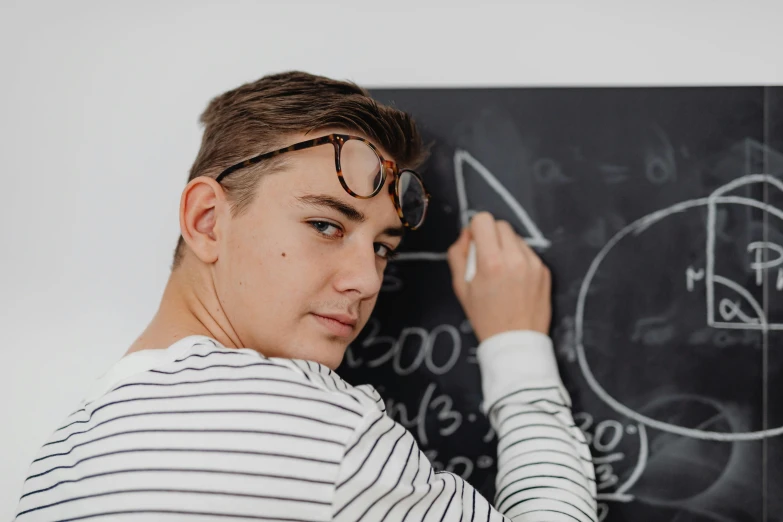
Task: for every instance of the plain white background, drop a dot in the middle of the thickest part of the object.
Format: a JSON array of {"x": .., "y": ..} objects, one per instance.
[{"x": 98, "y": 126}]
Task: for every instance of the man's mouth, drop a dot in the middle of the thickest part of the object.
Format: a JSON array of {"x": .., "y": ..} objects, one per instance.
[{"x": 341, "y": 325}]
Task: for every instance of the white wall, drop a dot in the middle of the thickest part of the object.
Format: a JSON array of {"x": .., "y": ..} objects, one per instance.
[{"x": 98, "y": 127}]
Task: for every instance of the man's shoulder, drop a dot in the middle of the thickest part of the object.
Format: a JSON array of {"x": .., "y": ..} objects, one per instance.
[
  {"x": 205, "y": 368},
  {"x": 228, "y": 389},
  {"x": 199, "y": 412},
  {"x": 326, "y": 379}
]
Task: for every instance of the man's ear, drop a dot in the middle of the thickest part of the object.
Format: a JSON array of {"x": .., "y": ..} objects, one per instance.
[{"x": 200, "y": 208}]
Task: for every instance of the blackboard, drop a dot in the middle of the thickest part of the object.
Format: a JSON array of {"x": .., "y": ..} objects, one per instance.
[{"x": 660, "y": 214}]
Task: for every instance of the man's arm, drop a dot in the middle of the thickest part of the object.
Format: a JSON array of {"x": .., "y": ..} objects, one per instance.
[
  {"x": 544, "y": 466},
  {"x": 543, "y": 458}
]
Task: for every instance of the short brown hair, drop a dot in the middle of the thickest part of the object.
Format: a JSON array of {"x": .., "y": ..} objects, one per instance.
[{"x": 258, "y": 117}]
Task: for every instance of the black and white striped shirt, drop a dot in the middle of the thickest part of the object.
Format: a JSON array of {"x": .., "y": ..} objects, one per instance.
[{"x": 202, "y": 432}]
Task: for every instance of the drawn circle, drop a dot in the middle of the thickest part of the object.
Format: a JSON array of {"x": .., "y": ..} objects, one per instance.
[{"x": 636, "y": 228}]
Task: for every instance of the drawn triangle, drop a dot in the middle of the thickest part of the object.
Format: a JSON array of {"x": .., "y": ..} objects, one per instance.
[{"x": 529, "y": 230}]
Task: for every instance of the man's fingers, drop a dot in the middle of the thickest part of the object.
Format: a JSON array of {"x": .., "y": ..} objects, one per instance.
[
  {"x": 485, "y": 234},
  {"x": 509, "y": 243},
  {"x": 457, "y": 254}
]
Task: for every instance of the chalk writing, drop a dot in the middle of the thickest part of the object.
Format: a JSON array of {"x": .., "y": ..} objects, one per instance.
[
  {"x": 450, "y": 420},
  {"x": 691, "y": 276},
  {"x": 458, "y": 464},
  {"x": 605, "y": 438},
  {"x": 422, "y": 344},
  {"x": 759, "y": 265}
]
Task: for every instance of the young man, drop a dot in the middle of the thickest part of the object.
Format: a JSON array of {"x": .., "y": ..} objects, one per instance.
[{"x": 227, "y": 407}]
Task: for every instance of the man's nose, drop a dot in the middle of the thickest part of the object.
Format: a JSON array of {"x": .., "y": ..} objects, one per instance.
[{"x": 359, "y": 270}]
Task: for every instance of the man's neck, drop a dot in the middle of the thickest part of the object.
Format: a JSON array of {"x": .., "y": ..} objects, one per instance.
[{"x": 184, "y": 310}]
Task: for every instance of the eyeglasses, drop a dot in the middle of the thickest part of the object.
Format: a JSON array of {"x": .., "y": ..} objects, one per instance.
[{"x": 362, "y": 172}]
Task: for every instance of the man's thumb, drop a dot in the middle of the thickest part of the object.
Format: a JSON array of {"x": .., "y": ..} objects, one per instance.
[{"x": 458, "y": 257}]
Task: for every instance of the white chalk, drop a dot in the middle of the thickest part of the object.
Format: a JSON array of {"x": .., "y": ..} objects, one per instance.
[{"x": 470, "y": 269}]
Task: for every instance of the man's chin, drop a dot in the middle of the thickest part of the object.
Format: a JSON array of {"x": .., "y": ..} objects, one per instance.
[{"x": 328, "y": 351}]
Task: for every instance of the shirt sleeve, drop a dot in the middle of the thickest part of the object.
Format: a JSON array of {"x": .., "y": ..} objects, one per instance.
[{"x": 545, "y": 472}]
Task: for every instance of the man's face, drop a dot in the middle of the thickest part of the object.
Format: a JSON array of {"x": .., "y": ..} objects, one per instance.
[{"x": 304, "y": 250}]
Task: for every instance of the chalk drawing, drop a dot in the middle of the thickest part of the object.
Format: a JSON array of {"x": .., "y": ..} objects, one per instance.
[
  {"x": 534, "y": 236},
  {"x": 758, "y": 323}
]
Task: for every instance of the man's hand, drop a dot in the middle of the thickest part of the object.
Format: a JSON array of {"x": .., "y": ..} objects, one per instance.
[{"x": 512, "y": 287}]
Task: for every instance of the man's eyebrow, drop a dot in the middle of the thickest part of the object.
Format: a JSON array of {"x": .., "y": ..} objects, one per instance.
[
  {"x": 350, "y": 212},
  {"x": 324, "y": 201}
]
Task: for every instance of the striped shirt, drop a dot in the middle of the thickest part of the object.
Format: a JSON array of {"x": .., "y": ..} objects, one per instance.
[{"x": 201, "y": 432}]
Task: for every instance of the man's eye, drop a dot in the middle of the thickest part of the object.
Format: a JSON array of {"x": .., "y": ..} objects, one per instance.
[
  {"x": 385, "y": 252},
  {"x": 324, "y": 227}
]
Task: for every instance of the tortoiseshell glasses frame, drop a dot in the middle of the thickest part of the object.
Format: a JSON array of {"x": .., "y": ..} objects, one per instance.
[{"x": 338, "y": 140}]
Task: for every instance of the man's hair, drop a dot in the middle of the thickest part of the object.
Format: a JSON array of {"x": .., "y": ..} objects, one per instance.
[{"x": 260, "y": 116}]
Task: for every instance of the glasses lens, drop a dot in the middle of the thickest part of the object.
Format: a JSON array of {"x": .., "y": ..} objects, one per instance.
[
  {"x": 361, "y": 167},
  {"x": 413, "y": 198}
]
